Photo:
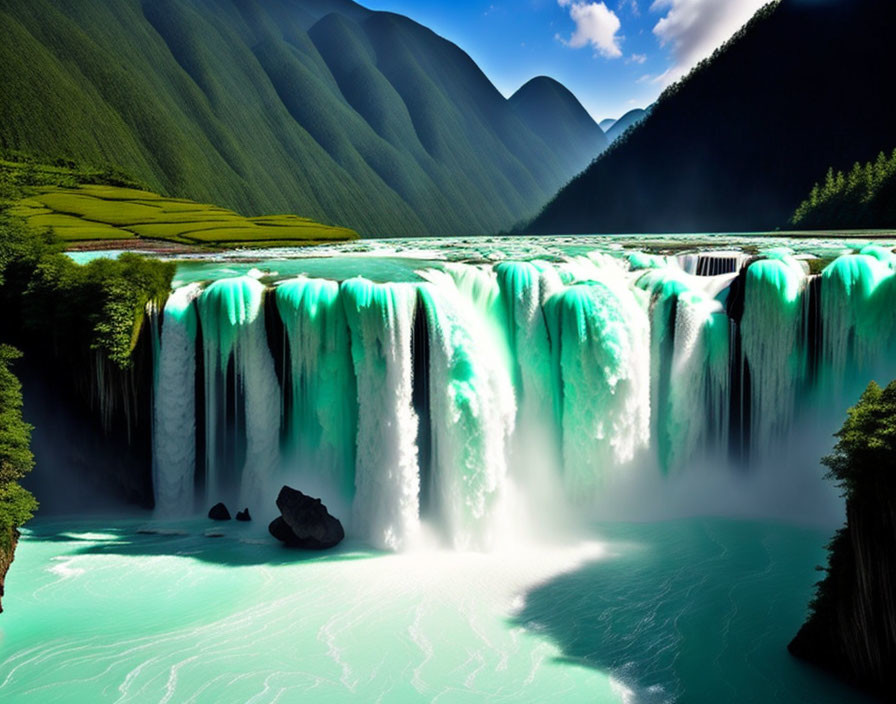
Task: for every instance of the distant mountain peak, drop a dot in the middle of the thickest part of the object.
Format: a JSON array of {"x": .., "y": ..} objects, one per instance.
[
  {"x": 551, "y": 111},
  {"x": 620, "y": 126}
]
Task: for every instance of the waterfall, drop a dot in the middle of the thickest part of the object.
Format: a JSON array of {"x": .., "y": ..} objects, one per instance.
[
  {"x": 664, "y": 286},
  {"x": 472, "y": 413},
  {"x": 174, "y": 413},
  {"x": 847, "y": 298},
  {"x": 242, "y": 396},
  {"x": 543, "y": 387},
  {"x": 772, "y": 347},
  {"x": 601, "y": 366},
  {"x": 322, "y": 417},
  {"x": 700, "y": 363},
  {"x": 387, "y": 482}
]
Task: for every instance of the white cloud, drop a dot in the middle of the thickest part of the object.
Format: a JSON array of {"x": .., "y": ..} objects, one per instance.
[
  {"x": 596, "y": 25},
  {"x": 637, "y": 58},
  {"x": 695, "y": 28}
]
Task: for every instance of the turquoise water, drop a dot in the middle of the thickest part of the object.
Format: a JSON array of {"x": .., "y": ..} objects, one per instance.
[
  {"x": 689, "y": 611},
  {"x": 469, "y": 393},
  {"x": 384, "y": 260},
  {"x": 88, "y": 255}
]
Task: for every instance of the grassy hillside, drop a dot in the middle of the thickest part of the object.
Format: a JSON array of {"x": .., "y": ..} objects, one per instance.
[
  {"x": 59, "y": 199},
  {"x": 319, "y": 107},
  {"x": 738, "y": 144}
]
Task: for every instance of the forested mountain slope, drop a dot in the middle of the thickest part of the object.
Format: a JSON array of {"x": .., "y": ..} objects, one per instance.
[
  {"x": 554, "y": 114},
  {"x": 317, "y": 107},
  {"x": 739, "y": 143}
]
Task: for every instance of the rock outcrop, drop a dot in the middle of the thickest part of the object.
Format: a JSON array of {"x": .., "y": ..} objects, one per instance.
[
  {"x": 305, "y": 522},
  {"x": 851, "y": 629},
  {"x": 243, "y": 515},
  {"x": 6, "y": 558},
  {"x": 219, "y": 512}
]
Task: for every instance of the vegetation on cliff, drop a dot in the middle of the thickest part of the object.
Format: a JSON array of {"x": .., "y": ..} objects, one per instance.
[
  {"x": 851, "y": 629},
  {"x": 79, "y": 324},
  {"x": 68, "y": 309},
  {"x": 863, "y": 197},
  {"x": 17, "y": 505}
]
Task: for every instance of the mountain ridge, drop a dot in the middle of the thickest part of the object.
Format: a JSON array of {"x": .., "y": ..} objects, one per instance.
[
  {"x": 565, "y": 123},
  {"x": 739, "y": 142},
  {"x": 319, "y": 107},
  {"x": 629, "y": 119}
]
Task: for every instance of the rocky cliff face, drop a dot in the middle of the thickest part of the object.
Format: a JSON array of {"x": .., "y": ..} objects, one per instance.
[
  {"x": 92, "y": 430},
  {"x": 6, "y": 557},
  {"x": 851, "y": 630}
]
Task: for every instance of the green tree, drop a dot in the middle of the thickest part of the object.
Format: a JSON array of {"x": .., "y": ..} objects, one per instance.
[
  {"x": 861, "y": 198},
  {"x": 16, "y": 504},
  {"x": 866, "y": 449},
  {"x": 851, "y": 627}
]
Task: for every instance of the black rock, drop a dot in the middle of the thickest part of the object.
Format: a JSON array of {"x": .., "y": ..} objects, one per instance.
[
  {"x": 305, "y": 522},
  {"x": 243, "y": 515},
  {"x": 281, "y": 531},
  {"x": 219, "y": 512}
]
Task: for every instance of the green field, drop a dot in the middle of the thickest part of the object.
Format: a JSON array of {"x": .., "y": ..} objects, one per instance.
[{"x": 99, "y": 212}]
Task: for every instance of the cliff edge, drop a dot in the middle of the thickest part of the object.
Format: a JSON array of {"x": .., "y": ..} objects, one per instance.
[{"x": 851, "y": 629}]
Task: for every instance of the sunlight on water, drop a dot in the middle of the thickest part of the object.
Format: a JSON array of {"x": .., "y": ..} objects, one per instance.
[
  {"x": 475, "y": 394},
  {"x": 695, "y": 611},
  {"x": 136, "y": 618}
]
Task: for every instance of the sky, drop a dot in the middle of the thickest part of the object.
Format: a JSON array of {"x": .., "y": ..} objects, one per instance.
[{"x": 614, "y": 55}]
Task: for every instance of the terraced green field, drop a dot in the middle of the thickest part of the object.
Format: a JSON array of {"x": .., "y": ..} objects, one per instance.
[{"x": 96, "y": 212}]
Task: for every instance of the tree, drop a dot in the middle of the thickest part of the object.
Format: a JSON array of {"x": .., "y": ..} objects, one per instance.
[
  {"x": 851, "y": 627},
  {"x": 16, "y": 504}
]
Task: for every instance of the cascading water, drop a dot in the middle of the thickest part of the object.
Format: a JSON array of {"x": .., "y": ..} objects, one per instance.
[
  {"x": 242, "y": 449},
  {"x": 601, "y": 367},
  {"x": 322, "y": 420},
  {"x": 174, "y": 437},
  {"x": 387, "y": 481},
  {"x": 472, "y": 412},
  {"x": 537, "y": 382},
  {"x": 700, "y": 369},
  {"x": 848, "y": 310},
  {"x": 770, "y": 330}
]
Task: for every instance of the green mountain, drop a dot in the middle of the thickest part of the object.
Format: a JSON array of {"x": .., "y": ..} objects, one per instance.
[
  {"x": 554, "y": 114},
  {"x": 618, "y": 128},
  {"x": 738, "y": 144},
  {"x": 318, "y": 107}
]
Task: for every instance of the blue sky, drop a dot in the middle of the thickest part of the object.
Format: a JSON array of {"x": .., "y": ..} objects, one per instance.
[{"x": 614, "y": 55}]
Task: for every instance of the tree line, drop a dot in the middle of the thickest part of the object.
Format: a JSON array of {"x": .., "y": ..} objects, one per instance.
[{"x": 863, "y": 197}]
